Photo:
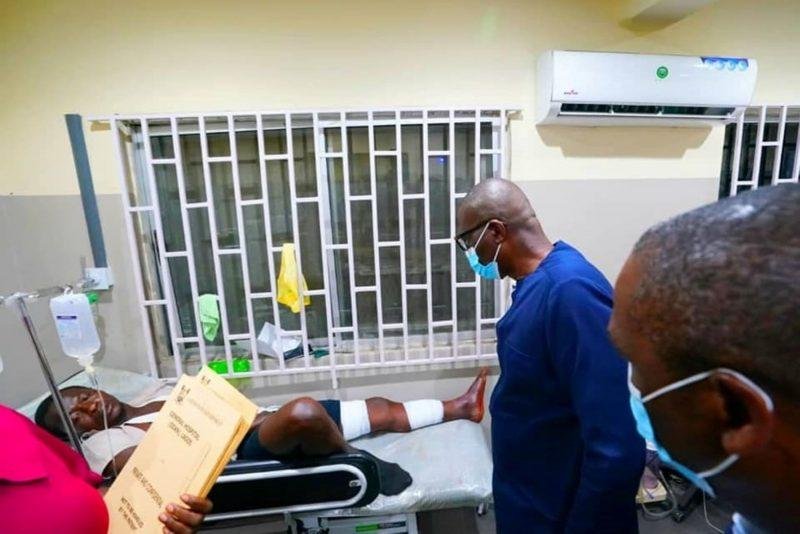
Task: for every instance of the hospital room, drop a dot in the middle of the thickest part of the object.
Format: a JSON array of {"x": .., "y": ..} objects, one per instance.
[{"x": 422, "y": 267}]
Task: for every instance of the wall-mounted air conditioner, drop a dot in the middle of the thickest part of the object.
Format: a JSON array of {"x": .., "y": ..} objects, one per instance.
[{"x": 601, "y": 88}]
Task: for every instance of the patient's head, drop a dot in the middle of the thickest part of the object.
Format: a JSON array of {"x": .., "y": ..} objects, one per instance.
[{"x": 85, "y": 410}]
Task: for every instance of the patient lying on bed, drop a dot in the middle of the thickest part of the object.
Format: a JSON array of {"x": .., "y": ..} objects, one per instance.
[{"x": 303, "y": 426}]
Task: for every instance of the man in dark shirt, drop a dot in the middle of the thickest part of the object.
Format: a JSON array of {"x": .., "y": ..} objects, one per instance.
[{"x": 567, "y": 457}]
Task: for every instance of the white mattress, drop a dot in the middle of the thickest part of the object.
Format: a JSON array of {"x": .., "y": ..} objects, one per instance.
[{"x": 450, "y": 464}]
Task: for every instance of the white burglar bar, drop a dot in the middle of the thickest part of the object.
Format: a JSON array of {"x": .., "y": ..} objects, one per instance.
[
  {"x": 379, "y": 341},
  {"x": 762, "y": 118}
]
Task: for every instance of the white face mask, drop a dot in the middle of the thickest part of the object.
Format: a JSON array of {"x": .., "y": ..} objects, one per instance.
[{"x": 645, "y": 427}]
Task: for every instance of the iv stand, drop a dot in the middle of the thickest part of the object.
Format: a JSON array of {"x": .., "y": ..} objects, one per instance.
[{"x": 18, "y": 300}]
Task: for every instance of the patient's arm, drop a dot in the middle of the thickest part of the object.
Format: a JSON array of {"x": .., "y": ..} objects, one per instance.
[
  {"x": 120, "y": 460},
  {"x": 301, "y": 425}
]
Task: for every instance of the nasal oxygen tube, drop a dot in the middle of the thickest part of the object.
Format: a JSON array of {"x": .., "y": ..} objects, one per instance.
[{"x": 77, "y": 332}]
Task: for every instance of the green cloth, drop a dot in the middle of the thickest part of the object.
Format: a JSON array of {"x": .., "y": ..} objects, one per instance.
[{"x": 209, "y": 316}]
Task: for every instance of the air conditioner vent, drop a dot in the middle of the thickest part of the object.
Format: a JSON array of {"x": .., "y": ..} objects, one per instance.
[
  {"x": 633, "y": 110},
  {"x": 622, "y": 89}
]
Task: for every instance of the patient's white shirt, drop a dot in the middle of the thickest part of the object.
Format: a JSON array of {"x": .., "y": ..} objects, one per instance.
[{"x": 96, "y": 446}]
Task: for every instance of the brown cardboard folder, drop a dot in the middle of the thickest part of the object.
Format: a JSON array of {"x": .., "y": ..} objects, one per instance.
[{"x": 184, "y": 451}]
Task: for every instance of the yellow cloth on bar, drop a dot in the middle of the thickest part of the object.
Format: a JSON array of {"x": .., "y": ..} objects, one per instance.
[{"x": 288, "y": 287}]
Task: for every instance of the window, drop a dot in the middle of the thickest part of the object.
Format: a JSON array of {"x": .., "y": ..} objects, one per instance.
[
  {"x": 760, "y": 149},
  {"x": 368, "y": 198}
]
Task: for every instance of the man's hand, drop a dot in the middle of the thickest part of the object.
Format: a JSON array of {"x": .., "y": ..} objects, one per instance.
[{"x": 179, "y": 520}]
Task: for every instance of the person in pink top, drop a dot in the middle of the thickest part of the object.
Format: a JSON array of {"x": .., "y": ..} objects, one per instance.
[{"x": 45, "y": 486}]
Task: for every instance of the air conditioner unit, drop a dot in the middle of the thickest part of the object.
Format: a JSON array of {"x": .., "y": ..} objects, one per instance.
[{"x": 609, "y": 89}]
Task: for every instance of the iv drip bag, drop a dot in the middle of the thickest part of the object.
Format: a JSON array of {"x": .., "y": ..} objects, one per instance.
[{"x": 75, "y": 325}]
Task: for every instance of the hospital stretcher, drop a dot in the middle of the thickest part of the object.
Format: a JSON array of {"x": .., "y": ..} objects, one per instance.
[
  {"x": 450, "y": 465},
  {"x": 251, "y": 490}
]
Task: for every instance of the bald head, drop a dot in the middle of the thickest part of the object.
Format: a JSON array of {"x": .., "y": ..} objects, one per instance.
[
  {"x": 497, "y": 219},
  {"x": 495, "y": 198},
  {"x": 717, "y": 287}
]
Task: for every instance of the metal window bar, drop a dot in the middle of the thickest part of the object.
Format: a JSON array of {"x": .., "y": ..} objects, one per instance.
[
  {"x": 477, "y": 178},
  {"x": 213, "y": 232},
  {"x": 119, "y": 152},
  {"x": 451, "y": 167},
  {"x": 426, "y": 191},
  {"x": 502, "y": 288},
  {"x": 759, "y": 148},
  {"x": 262, "y": 168},
  {"x": 356, "y": 366},
  {"x": 404, "y": 110},
  {"x": 237, "y": 195},
  {"x": 796, "y": 168},
  {"x": 162, "y": 252},
  {"x": 349, "y": 225},
  {"x": 398, "y": 136},
  {"x": 737, "y": 155},
  {"x": 776, "y": 163},
  {"x": 322, "y": 194},
  {"x": 424, "y": 118},
  {"x": 187, "y": 236},
  {"x": 376, "y": 251},
  {"x": 326, "y": 236},
  {"x": 296, "y": 237},
  {"x": 761, "y": 116}
]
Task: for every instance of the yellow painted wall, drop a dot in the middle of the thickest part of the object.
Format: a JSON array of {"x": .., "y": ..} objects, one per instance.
[{"x": 99, "y": 56}]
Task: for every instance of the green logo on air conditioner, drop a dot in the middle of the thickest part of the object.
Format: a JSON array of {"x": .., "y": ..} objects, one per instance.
[{"x": 662, "y": 72}]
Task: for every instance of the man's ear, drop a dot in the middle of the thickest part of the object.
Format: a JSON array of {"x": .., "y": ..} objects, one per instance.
[
  {"x": 748, "y": 418},
  {"x": 499, "y": 230}
]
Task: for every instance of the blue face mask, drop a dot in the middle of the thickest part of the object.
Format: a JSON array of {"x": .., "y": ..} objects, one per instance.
[
  {"x": 645, "y": 427},
  {"x": 490, "y": 271}
]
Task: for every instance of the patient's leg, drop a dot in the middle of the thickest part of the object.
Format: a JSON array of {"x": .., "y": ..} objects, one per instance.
[
  {"x": 301, "y": 425},
  {"x": 385, "y": 415},
  {"x": 304, "y": 426}
]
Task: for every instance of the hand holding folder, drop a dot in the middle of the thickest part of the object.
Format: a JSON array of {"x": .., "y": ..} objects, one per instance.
[{"x": 184, "y": 451}]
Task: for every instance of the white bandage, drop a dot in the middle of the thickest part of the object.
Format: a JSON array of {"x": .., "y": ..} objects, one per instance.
[
  {"x": 355, "y": 419},
  {"x": 422, "y": 413}
]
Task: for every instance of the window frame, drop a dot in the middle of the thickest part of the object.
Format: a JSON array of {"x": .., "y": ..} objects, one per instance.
[
  {"x": 136, "y": 169},
  {"x": 748, "y": 140}
]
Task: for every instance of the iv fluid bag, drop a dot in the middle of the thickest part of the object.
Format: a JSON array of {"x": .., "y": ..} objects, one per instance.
[{"x": 75, "y": 326}]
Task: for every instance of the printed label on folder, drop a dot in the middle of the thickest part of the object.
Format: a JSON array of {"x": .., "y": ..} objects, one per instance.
[{"x": 184, "y": 450}]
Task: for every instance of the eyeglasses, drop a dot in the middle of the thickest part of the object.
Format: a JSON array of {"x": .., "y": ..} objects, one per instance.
[{"x": 460, "y": 238}]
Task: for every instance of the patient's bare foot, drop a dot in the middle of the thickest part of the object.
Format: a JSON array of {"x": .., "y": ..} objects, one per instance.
[{"x": 470, "y": 404}]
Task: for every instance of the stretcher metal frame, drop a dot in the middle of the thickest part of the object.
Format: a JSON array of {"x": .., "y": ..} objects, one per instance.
[
  {"x": 360, "y": 489},
  {"x": 320, "y": 121}
]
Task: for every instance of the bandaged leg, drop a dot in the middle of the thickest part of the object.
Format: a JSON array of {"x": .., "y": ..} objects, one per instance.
[
  {"x": 378, "y": 414},
  {"x": 422, "y": 413},
  {"x": 355, "y": 419}
]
